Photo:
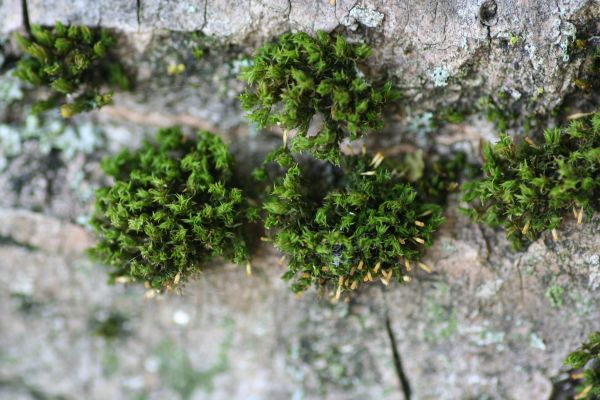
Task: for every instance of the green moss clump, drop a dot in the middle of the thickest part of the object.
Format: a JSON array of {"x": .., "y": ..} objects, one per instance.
[
  {"x": 299, "y": 76},
  {"x": 172, "y": 207},
  {"x": 360, "y": 223},
  {"x": 110, "y": 326},
  {"x": 588, "y": 357},
  {"x": 530, "y": 187},
  {"x": 74, "y": 61}
]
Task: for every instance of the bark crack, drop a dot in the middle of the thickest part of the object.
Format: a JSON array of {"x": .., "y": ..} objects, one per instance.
[
  {"x": 404, "y": 383},
  {"x": 138, "y": 12},
  {"x": 25, "y": 12},
  {"x": 205, "y": 22},
  {"x": 289, "y": 12}
]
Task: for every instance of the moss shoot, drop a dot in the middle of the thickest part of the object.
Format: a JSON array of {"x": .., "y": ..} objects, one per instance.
[{"x": 587, "y": 357}]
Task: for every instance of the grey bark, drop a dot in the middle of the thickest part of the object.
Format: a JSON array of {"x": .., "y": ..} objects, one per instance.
[{"x": 488, "y": 323}]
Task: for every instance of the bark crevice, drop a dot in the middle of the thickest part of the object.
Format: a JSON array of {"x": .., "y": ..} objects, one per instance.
[{"x": 402, "y": 378}]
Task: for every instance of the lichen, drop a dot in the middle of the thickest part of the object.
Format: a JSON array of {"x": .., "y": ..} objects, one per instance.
[
  {"x": 365, "y": 16},
  {"x": 556, "y": 296},
  {"x": 50, "y": 134},
  {"x": 440, "y": 76}
]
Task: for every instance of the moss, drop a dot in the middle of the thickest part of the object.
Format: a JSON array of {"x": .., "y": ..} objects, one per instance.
[
  {"x": 74, "y": 62},
  {"x": 179, "y": 374},
  {"x": 556, "y": 296},
  {"x": 340, "y": 227},
  {"x": 452, "y": 115},
  {"x": 173, "y": 207},
  {"x": 299, "y": 77},
  {"x": 587, "y": 357},
  {"x": 497, "y": 111},
  {"x": 110, "y": 326},
  {"x": 530, "y": 187}
]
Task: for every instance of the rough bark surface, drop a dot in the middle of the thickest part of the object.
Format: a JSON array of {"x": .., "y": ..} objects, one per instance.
[{"x": 488, "y": 323}]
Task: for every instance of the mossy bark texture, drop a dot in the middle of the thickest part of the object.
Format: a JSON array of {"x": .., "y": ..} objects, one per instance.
[{"x": 488, "y": 322}]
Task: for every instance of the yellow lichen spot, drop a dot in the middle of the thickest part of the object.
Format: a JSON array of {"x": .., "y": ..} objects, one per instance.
[
  {"x": 67, "y": 111},
  {"x": 554, "y": 235},
  {"x": 175, "y": 69}
]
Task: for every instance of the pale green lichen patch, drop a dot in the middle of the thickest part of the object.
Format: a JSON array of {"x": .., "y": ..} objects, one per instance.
[
  {"x": 440, "y": 76},
  {"x": 556, "y": 296}
]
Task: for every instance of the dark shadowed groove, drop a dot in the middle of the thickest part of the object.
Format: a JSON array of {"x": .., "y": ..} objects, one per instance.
[
  {"x": 25, "y": 12},
  {"x": 138, "y": 12},
  {"x": 404, "y": 384}
]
